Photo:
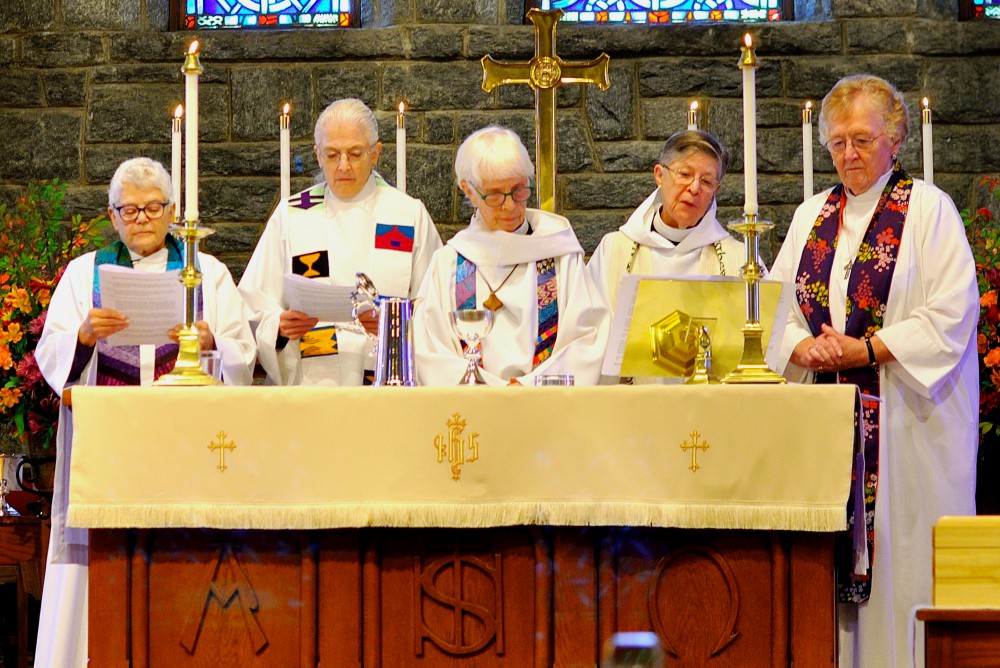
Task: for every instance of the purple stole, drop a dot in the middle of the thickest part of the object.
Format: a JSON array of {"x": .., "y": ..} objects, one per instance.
[
  {"x": 119, "y": 365},
  {"x": 867, "y": 294},
  {"x": 546, "y": 291}
]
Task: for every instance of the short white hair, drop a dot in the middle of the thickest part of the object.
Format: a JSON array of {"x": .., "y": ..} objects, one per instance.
[
  {"x": 348, "y": 111},
  {"x": 492, "y": 153},
  {"x": 144, "y": 173}
]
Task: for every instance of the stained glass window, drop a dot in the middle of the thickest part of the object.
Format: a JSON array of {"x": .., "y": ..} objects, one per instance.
[
  {"x": 668, "y": 11},
  {"x": 979, "y": 9},
  {"x": 221, "y": 14}
]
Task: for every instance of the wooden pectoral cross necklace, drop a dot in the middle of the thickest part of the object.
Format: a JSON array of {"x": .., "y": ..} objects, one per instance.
[{"x": 493, "y": 302}]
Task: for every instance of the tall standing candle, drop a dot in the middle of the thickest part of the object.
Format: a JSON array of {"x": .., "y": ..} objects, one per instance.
[
  {"x": 693, "y": 115},
  {"x": 928, "y": 139},
  {"x": 191, "y": 70},
  {"x": 175, "y": 158},
  {"x": 807, "y": 151},
  {"x": 285, "y": 152},
  {"x": 748, "y": 63},
  {"x": 401, "y": 149}
]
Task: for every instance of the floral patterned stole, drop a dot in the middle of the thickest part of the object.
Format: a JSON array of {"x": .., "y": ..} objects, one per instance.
[{"x": 867, "y": 294}]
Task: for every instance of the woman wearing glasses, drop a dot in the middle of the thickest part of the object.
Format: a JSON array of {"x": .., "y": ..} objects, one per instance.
[
  {"x": 74, "y": 350},
  {"x": 523, "y": 264},
  {"x": 675, "y": 230},
  {"x": 887, "y": 300}
]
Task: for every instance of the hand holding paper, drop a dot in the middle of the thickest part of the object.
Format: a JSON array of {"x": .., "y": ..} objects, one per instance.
[
  {"x": 329, "y": 303},
  {"x": 153, "y": 302}
]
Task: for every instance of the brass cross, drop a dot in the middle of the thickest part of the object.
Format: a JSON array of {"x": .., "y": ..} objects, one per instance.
[
  {"x": 694, "y": 446},
  {"x": 544, "y": 73},
  {"x": 221, "y": 446}
]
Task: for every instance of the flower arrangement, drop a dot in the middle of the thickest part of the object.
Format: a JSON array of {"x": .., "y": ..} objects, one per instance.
[{"x": 37, "y": 244}]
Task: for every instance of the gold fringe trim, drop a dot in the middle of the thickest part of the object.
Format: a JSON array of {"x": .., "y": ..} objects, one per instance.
[{"x": 452, "y": 515}]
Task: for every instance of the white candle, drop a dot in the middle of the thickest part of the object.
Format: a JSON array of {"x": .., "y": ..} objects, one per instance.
[
  {"x": 286, "y": 144},
  {"x": 748, "y": 63},
  {"x": 807, "y": 151},
  {"x": 693, "y": 115},
  {"x": 928, "y": 143},
  {"x": 192, "y": 69},
  {"x": 175, "y": 159},
  {"x": 401, "y": 149}
]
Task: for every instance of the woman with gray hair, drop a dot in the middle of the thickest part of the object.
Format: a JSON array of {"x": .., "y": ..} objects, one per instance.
[
  {"x": 74, "y": 350},
  {"x": 523, "y": 264},
  {"x": 675, "y": 230},
  {"x": 887, "y": 300}
]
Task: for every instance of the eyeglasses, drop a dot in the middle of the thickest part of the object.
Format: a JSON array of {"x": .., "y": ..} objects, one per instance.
[
  {"x": 860, "y": 144},
  {"x": 130, "y": 212},
  {"x": 517, "y": 195},
  {"x": 353, "y": 156},
  {"x": 684, "y": 177}
]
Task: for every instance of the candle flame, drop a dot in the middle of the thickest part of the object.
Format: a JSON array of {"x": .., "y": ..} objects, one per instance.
[
  {"x": 193, "y": 48},
  {"x": 179, "y": 111},
  {"x": 809, "y": 104},
  {"x": 927, "y": 103},
  {"x": 694, "y": 105},
  {"x": 748, "y": 40},
  {"x": 287, "y": 108},
  {"x": 402, "y": 107}
]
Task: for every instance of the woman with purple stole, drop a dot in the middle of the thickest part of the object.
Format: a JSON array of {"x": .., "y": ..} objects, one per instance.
[
  {"x": 523, "y": 264},
  {"x": 74, "y": 350},
  {"x": 887, "y": 300}
]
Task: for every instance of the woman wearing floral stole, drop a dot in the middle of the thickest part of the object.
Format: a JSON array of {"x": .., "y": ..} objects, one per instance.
[{"x": 887, "y": 300}]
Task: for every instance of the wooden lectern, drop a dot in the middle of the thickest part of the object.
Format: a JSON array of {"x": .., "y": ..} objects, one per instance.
[{"x": 444, "y": 536}]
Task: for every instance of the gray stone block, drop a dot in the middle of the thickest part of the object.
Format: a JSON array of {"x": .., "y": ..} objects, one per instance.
[
  {"x": 448, "y": 230},
  {"x": 431, "y": 180},
  {"x": 101, "y": 160},
  {"x": 504, "y": 43},
  {"x": 698, "y": 77},
  {"x": 387, "y": 127},
  {"x": 796, "y": 38},
  {"x": 158, "y": 15},
  {"x": 889, "y": 35},
  {"x": 8, "y": 50},
  {"x": 260, "y": 92},
  {"x": 245, "y": 199},
  {"x": 26, "y": 15},
  {"x": 233, "y": 238},
  {"x": 512, "y": 12},
  {"x": 89, "y": 202},
  {"x": 22, "y": 88},
  {"x": 603, "y": 191},
  {"x": 396, "y": 12},
  {"x": 134, "y": 113},
  {"x": 40, "y": 144},
  {"x": 66, "y": 88},
  {"x": 881, "y": 8},
  {"x": 439, "y": 128},
  {"x": 434, "y": 85},
  {"x": 432, "y": 42},
  {"x": 663, "y": 117},
  {"x": 635, "y": 156},
  {"x": 612, "y": 113},
  {"x": 102, "y": 14},
  {"x": 591, "y": 226},
  {"x": 968, "y": 148},
  {"x": 779, "y": 150},
  {"x": 813, "y": 78},
  {"x": 359, "y": 80},
  {"x": 522, "y": 96},
  {"x": 961, "y": 91},
  {"x": 573, "y": 151},
  {"x": 445, "y": 11},
  {"x": 62, "y": 50}
]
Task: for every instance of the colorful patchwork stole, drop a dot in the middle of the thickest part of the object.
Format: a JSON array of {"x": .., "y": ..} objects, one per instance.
[
  {"x": 119, "y": 365},
  {"x": 867, "y": 293},
  {"x": 548, "y": 303}
]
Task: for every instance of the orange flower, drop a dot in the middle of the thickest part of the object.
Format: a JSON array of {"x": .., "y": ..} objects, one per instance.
[
  {"x": 9, "y": 396},
  {"x": 14, "y": 332},
  {"x": 6, "y": 359},
  {"x": 992, "y": 358},
  {"x": 982, "y": 343},
  {"x": 18, "y": 298},
  {"x": 989, "y": 299}
]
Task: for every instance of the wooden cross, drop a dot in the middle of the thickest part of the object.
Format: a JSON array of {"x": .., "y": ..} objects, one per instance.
[
  {"x": 694, "y": 446},
  {"x": 222, "y": 446},
  {"x": 544, "y": 73}
]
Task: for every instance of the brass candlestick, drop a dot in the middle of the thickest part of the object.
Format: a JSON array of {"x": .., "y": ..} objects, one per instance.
[
  {"x": 187, "y": 370},
  {"x": 752, "y": 367}
]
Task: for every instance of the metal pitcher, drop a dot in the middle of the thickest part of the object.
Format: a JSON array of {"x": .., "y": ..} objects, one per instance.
[{"x": 394, "y": 345}]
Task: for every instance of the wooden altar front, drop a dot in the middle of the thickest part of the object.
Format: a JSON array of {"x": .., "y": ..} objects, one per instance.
[{"x": 327, "y": 590}]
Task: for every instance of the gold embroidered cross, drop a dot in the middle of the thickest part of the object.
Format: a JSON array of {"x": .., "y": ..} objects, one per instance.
[
  {"x": 694, "y": 446},
  {"x": 221, "y": 446}
]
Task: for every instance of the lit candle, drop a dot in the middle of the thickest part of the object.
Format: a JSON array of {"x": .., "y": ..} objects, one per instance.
[
  {"x": 748, "y": 63},
  {"x": 928, "y": 143},
  {"x": 286, "y": 143},
  {"x": 693, "y": 115},
  {"x": 191, "y": 70},
  {"x": 401, "y": 149},
  {"x": 807, "y": 151},
  {"x": 175, "y": 158}
]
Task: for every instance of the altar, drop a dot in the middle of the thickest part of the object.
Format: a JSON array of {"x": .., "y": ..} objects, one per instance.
[{"x": 458, "y": 526}]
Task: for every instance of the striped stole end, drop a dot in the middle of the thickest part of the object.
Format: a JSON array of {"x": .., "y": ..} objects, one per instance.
[
  {"x": 465, "y": 284},
  {"x": 548, "y": 310}
]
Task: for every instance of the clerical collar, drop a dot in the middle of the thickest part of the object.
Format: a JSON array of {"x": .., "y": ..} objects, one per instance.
[
  {"x": 153, "y": 262},
  {"x": 524, "y": 230},
  {"x": 673, "y": 234},
  {"x": 365, "y": 192},
  {"x": 872, "y": 193}
]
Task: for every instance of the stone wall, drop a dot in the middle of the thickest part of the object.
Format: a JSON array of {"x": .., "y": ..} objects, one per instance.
[{"x": 92, "y": 82}]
